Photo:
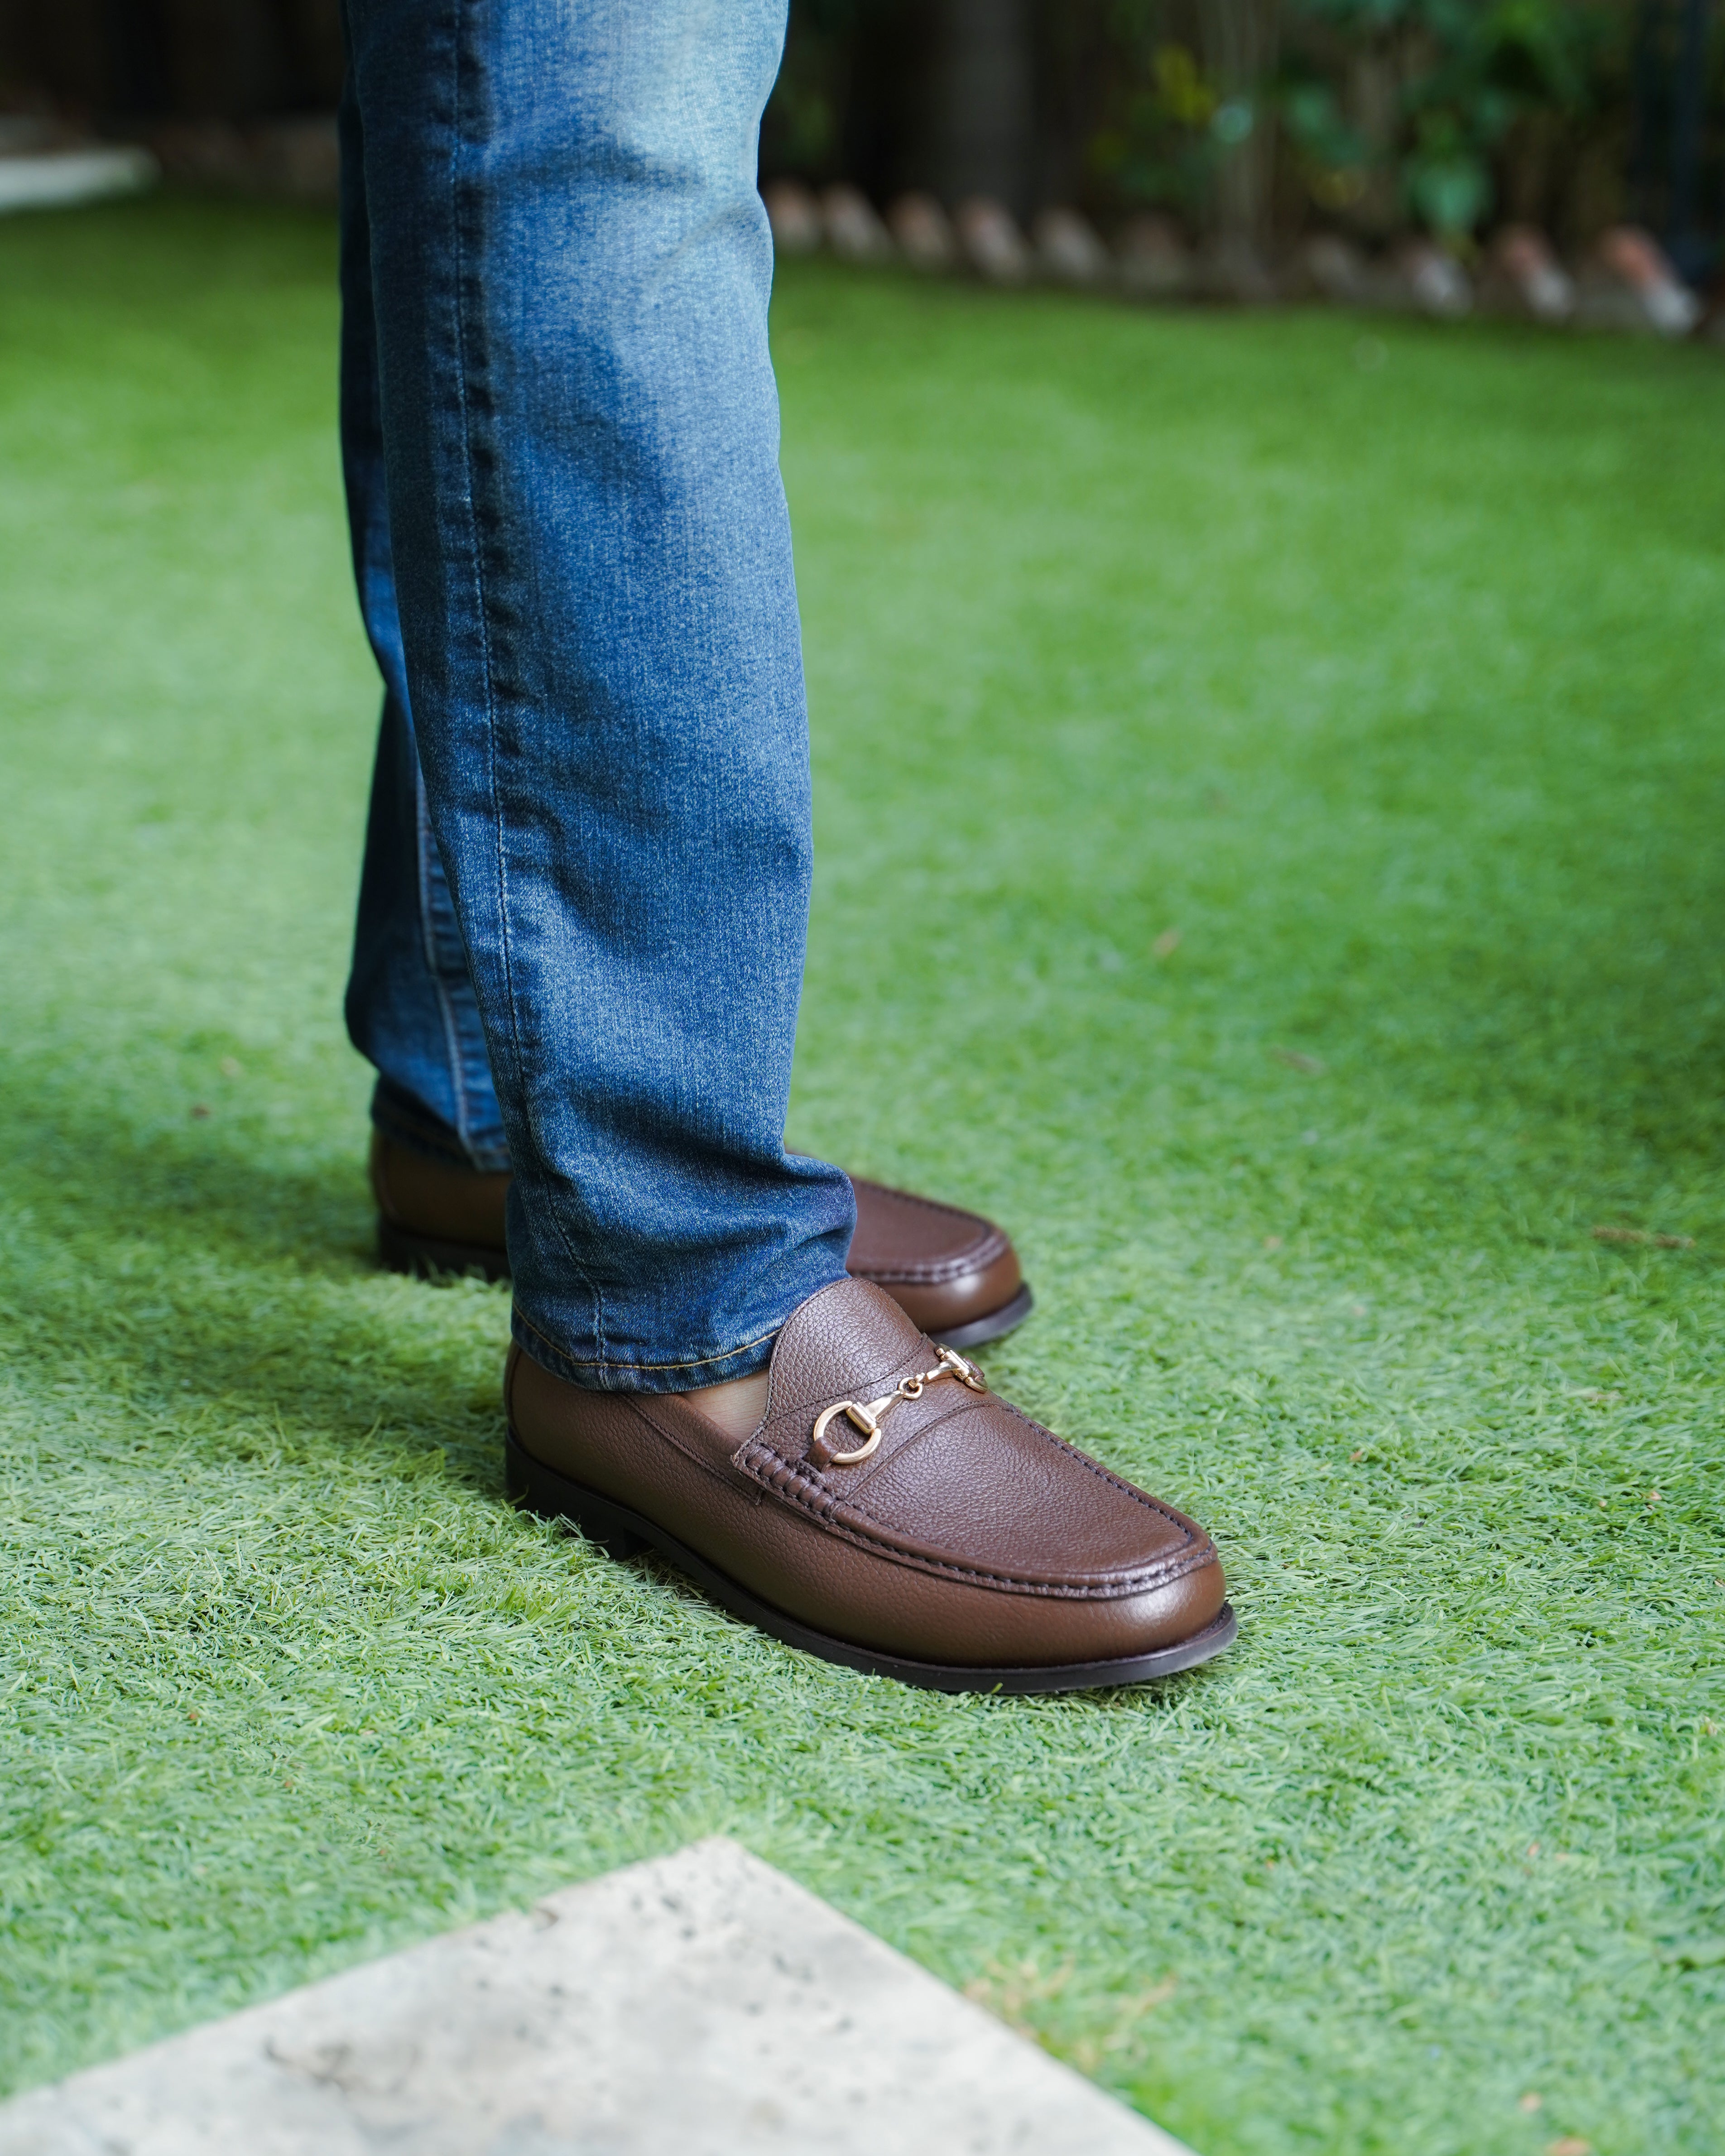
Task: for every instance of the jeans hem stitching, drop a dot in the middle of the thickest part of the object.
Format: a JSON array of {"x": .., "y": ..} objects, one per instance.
[
  {"x": 607, "y": 1362},
  {"x": 452, "y": 1041}
]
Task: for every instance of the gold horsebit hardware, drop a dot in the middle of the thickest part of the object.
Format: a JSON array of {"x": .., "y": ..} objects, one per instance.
[{"x": 869, "y": 1416}]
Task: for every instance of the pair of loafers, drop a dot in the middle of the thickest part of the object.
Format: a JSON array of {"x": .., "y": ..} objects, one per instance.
[{"x": 889, "y": 1512}]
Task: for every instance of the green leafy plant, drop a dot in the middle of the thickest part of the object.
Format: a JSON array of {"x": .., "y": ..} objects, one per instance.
[
  {"x": 1169, "y": 121},
  {"x": 1166, "y": 127},
  {"x": 1413, "y": 101}
]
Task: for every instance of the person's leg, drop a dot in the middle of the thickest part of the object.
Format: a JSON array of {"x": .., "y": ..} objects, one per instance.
[
  {"x": 439, "y": 1159},
  {"x": 410, "y": 1007},
  {"x": 569, "y": 264}
]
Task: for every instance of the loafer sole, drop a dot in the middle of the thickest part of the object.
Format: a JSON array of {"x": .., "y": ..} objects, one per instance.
[
  {"x": 625, "y": 1533},
  {"x": 425, "y": 1257},
  {"x": 992, "y": 1325}
]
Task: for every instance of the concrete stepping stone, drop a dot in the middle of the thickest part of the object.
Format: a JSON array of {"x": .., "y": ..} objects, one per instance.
[
  {"x": 702, "y": 2004},
  {"x": 1631, "y": 284},
  {"x": 1434, "y": 282},
  {"x": 62, "y": 179},
  {"x": 1154, "y": 261},
  {"x": 1524, "y": 276},
  {"x": 1234, "y": 272},
  {"x": 1335, "y": 270},
  {"x": 1069, "y": 248}
]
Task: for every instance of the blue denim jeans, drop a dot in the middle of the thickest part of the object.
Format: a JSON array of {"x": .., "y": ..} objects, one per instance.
[{"x": 585, "y": 892}]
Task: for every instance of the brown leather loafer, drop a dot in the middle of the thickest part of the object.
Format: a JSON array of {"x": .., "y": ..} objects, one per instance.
[
  {"x": 955, "y": 1274},
  {"x": 889, "y": 1513}
]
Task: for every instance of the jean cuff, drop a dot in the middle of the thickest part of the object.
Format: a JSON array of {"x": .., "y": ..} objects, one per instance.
[
  {"x": 610, "y": 1376},
  {"x": 405, "y": 1121}
]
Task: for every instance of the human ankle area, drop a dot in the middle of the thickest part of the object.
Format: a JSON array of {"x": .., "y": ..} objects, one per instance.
[{"x": 736, "y": 1406}]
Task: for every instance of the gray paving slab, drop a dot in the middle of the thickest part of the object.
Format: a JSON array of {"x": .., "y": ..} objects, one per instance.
[{"x": 703, "y": 2004}]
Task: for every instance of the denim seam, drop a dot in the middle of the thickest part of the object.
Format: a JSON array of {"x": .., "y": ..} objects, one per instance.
[
  {"x": 451, "y": 1037},
  {"x": 607, "y": 1362},
  {"x": 479, "y": 580}
]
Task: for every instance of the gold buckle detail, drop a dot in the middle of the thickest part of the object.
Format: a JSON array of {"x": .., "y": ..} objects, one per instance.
[{"x": 868, "y": 1416}]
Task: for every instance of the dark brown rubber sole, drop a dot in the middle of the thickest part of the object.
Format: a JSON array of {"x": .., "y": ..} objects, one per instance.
[
  {"x": 992, "y": 1325},
  {"x": 400, "y": 1250},
  {"x": 626, "y": 1533}
]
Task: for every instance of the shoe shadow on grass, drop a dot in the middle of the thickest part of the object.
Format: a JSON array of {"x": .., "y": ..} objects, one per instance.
[
  {"x": 213, "y": 1184},
  {"x": 169, "y": 1275}
]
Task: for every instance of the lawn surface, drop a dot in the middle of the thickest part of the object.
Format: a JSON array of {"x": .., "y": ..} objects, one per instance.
[{"x": 1270, "y": 794}]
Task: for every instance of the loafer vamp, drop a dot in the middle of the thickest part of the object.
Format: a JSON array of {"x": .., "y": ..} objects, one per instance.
[
  {"x": 984, "y": 1488},
  {"x": 900, "y": 1237},
  {"x": 959, "y": 1480}
]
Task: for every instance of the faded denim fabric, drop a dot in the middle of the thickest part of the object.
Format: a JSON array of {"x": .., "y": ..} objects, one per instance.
[{"x": 560, "y": 433}]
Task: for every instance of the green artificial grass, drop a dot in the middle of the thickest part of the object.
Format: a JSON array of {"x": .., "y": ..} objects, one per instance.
[{"x": 1268, "y": 781}]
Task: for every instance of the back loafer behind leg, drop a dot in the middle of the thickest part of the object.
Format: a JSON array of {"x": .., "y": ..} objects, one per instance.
[{"x": 955, "y": 1274}]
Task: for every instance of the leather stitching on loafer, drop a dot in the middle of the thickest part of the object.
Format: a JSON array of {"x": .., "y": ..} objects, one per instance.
[
  {"x": 833, "y": 1522},
  {"x": 937, "y": 1273},
  {"x": 794, "y": 1482},
  {"x": 934, "y": 1272}
]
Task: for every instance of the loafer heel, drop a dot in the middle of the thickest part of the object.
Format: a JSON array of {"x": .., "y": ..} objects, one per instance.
[{"x": 536, "y": 1488}]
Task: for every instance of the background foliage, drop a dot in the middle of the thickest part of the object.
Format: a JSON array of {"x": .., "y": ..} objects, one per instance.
[
  {"x": 1254, "y": 119},
  {"x": 1378, "y": 117}
]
